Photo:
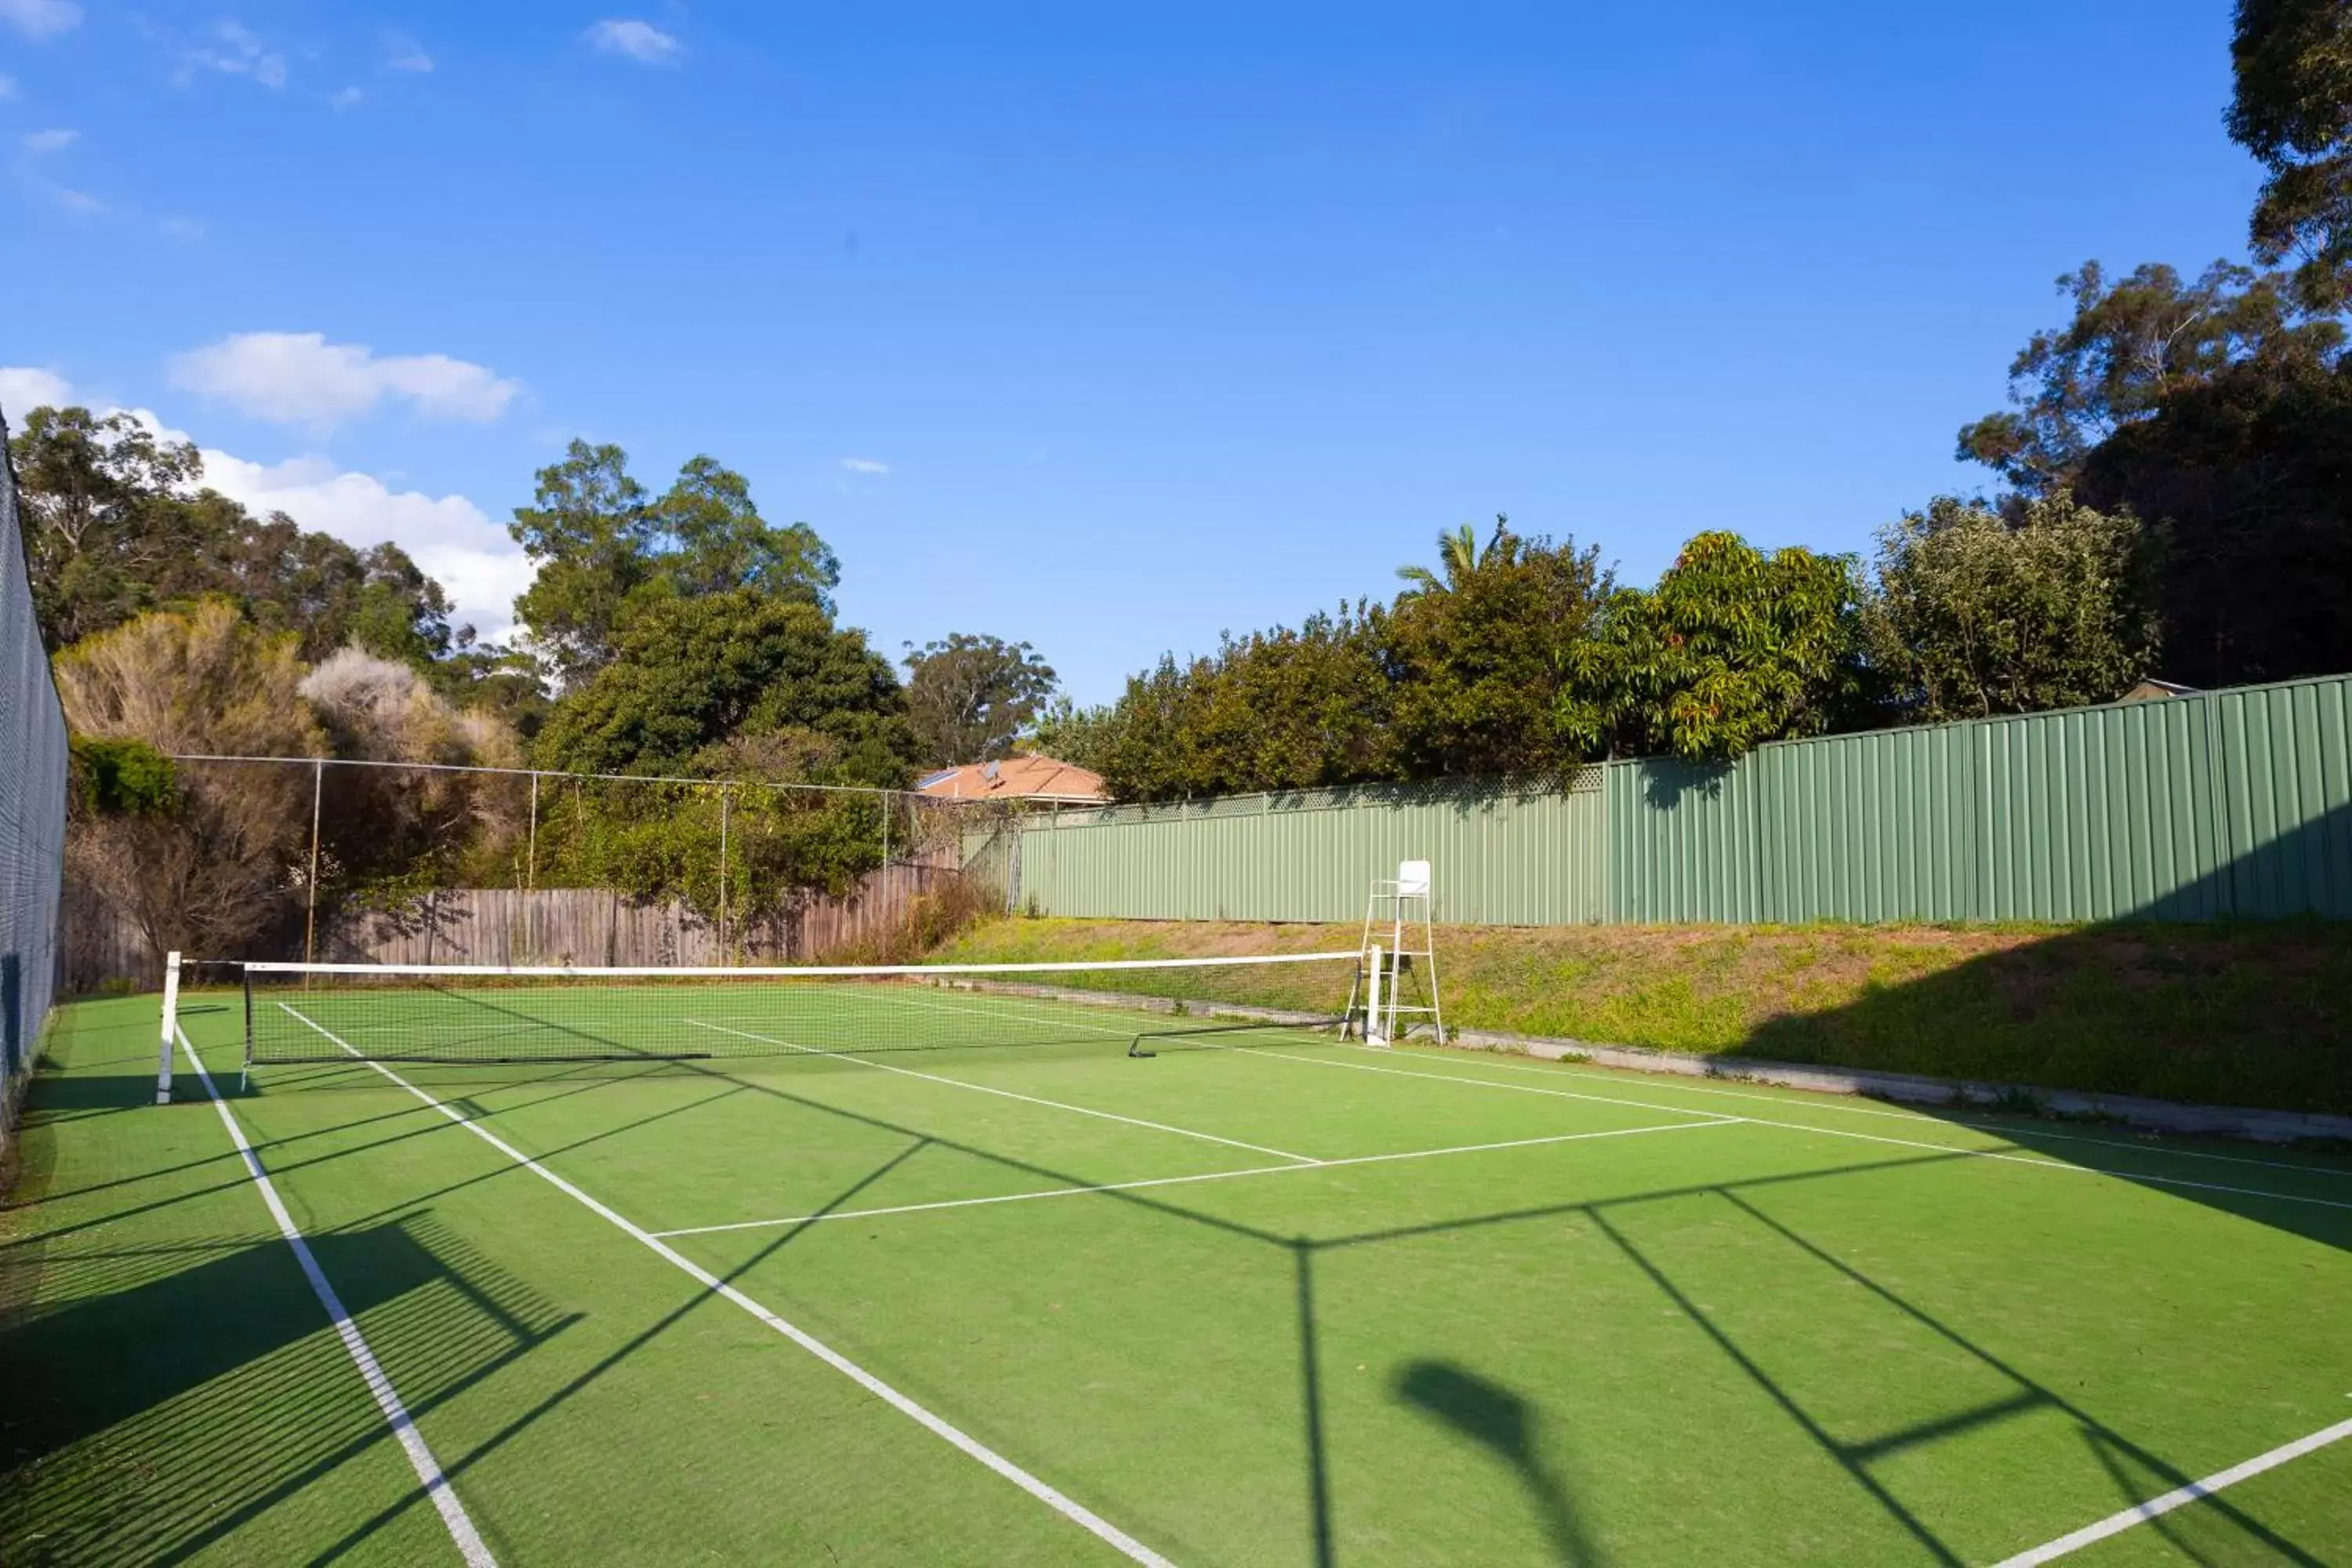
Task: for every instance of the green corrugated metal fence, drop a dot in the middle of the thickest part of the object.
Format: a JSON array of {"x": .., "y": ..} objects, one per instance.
[
  {"x": 2234, "y": 803},
  {"x": 1512, "y": 855}
]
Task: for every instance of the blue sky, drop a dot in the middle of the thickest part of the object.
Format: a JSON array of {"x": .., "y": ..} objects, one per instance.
[{"x": 1104, "y": 327}]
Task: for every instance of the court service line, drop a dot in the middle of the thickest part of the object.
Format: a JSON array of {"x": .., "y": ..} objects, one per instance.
[
  {"x": 1827, "y": 1101},
  {"x": 2179, "y": 1497},
  {"x": 1068, "y": 1507},
  {"x": 1008, "y": 1094},
  {"x": 468, "y": 1540},
  {"x": 1204, "y": 1177},
  {"x": 1808, "y": 1127},
  {"x": 1019, "y": 1011}
]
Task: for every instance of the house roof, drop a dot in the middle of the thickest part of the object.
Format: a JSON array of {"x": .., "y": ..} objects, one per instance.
[{"x": 1015, "y": 778}]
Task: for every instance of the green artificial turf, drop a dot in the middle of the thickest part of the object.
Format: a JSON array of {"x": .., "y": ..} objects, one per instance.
[{"x": 1821, "y": 1332}]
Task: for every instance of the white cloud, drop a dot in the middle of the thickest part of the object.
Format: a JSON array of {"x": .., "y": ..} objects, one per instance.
[
  {"x": 25, "y": 387},
  {"x": 186, "y": 230},
  {"x": 301, "y": 378},
  {"x": 405, "y": 54},
  {"x": 349, "y": 98},
  {"x": 7, "y": 86},
  {"x": 246, "y": 55},
  {"x": 81, "y": 204},
  {"x": 35, "y": 145},
  {"x": 864, "y": 466},
  {"x": 448, "y": 536},
  {"x": 41, "y": 18},
  {"x": 639, "y": 41}
]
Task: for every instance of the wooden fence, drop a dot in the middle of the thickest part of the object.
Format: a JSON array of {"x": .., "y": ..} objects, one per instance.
[{"x": 549, "y": 925}]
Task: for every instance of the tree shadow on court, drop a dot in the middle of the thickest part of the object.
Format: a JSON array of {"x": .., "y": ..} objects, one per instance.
[
  {"x": 1506, "y": 1426},
  {"x": 129, "y": 1434}
]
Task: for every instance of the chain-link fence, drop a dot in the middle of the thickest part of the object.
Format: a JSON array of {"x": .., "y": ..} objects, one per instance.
[
  {"x": 32, "y": 812},
  {"x": 371, "y": 861}
]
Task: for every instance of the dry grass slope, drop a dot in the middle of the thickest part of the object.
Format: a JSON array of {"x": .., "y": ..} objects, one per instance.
[{"x": 2246, "y": 1014}]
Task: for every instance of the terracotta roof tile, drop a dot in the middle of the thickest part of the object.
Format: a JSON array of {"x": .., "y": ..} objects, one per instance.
[{"x": 1015, "y": 778}]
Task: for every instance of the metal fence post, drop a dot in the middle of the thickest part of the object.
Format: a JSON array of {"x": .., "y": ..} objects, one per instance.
[
  {"x": 310, "y": 913},
  {"x": 530, "y": 880}
]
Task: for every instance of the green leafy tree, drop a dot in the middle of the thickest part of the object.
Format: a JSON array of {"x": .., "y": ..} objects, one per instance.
[
  {"x": 1461, "y": 675},
  {"x": 2292, "y": 109},
  {"x": 2249, "y": 476},
  {"x": 1460, "y": 558},
  {"x": 2220, "y": 413},
  {"x": 1477, "y": 664},
  {"x": 1070, "y": 733},
  {"x": 1289, "y": 709},
  {"x": 689, "y": 674},
  {"x": 606, "y": 549},
  {"x": 1733, "y": 647},
  {"x": 1973, "y": 614},
  {"x": 102, "y": 524},
  {"x": 2130, "y": 346},
  {"x": 969, "y": 697},
  {"x": 1308, "y": 707},
  {"x": 114, "y": 528}
]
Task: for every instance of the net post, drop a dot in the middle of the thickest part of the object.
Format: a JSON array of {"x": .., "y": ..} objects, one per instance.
[
  {"x": 170, "y": 1026},
  {"x": 245, "y": 1076},
  {"x": 1376, "y": 1029}
]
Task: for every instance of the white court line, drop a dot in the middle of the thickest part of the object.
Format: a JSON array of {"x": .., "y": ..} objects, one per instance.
[
  {"x": 387, "y": 1399},
  {"x": 1017, "y": 1011},
  {"x": 1008, "y": 1094},
  {"x": 1954, "y": 1119},
  {"x": 1808, "y": 1127},
  {"x": 1077, "y": 1512},
  {"x": 1207, "y": 1176},
  {"x": 2117, "y": 1523}
]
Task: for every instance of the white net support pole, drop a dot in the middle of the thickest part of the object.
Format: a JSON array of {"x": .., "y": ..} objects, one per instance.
[
  {"x": 1376, "y": 1026},
  {"x": 171, "y": 1024}
]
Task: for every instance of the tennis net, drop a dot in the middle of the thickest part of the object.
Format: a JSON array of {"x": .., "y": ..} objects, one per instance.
[{"x": 468, "y": 1013}]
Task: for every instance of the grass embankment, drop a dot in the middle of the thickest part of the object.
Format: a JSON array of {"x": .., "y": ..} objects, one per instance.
[{"x": 2230, "y": 1015}]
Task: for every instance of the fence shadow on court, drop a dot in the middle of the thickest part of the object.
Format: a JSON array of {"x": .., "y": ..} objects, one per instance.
[
  {"x": 456, "y": 1320},
  {"x": 1506, "y": 1425},
  {"x": 130, "y": 1437}
]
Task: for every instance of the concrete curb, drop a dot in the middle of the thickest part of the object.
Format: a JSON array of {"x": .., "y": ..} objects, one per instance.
[
  {"x": 1909, "y": 1089},
  {"x": 1915, "y": 1088}
]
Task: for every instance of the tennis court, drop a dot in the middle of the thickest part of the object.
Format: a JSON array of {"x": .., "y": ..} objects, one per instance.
[{"x": 906, "y": 1274}]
